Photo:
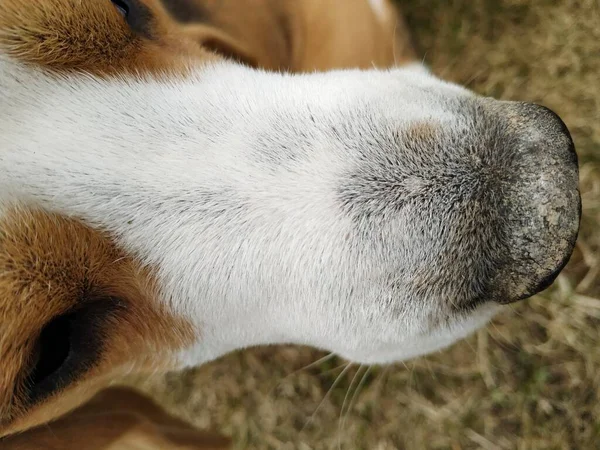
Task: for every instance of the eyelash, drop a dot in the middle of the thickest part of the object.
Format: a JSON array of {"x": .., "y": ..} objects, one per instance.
[{"x": 122, "y": 7}]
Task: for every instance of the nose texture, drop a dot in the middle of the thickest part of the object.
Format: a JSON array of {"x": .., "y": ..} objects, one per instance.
[{"x": 542, "y": 201}]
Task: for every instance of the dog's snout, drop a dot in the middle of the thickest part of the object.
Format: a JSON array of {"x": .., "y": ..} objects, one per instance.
[{"x": 542, "y": 200}]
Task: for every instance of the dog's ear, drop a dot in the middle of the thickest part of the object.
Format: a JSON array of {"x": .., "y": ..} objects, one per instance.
[
  {"x": 75, "y": 311},
  {"x": 120, "y": 419},
  {"x": 258, "y": 33},
  {"x": 222, "y": 43}
]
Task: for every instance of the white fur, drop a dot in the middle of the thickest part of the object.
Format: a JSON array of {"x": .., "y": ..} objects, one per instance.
[{"x": 225, "y": 181}]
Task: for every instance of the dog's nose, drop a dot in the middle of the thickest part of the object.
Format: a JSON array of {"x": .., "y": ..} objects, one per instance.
[{"x": 542, "y": 200}]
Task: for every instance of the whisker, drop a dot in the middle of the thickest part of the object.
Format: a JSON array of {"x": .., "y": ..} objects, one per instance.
[
  {"x": 308, "y": 366},
  {"x": 335, "y": 383},
  {"x": 356, "y": 395},
  {"x": 354, "y": 378},
  {"x": 473, "y": 78},
  {"x": 328, "y": 371},
  {"x": 381, "y": 379}
]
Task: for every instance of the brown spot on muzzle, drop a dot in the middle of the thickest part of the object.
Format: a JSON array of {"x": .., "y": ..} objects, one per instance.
[{"x": 423, "y": 131}]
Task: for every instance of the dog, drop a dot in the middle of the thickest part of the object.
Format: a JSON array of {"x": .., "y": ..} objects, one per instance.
[{"x": 184, "y": 178}]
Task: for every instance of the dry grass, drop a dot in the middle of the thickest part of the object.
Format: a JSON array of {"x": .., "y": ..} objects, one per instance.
[{"x": 529, "y": 381}]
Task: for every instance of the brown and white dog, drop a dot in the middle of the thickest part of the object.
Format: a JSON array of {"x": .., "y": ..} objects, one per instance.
[{"x": 183, "y": 178}]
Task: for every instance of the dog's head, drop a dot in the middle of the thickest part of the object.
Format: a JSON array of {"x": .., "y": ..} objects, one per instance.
[{"x": 380, "y": 215}]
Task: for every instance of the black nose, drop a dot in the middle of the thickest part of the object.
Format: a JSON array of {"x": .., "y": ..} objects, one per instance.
[{"x": 544, "y": 204}]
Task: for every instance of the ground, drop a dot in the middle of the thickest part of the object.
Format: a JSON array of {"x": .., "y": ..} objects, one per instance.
[{"x": 531, "y": 380}]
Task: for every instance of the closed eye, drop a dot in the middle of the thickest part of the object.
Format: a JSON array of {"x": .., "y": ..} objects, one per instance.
[
  {"x": 138, "y": 16},
  {"x": 122, "y": 6}
]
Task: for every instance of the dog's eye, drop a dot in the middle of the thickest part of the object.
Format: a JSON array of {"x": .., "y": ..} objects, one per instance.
[
  {"x": 122, "y": 6},
  {"x": 137, "y": 15}
]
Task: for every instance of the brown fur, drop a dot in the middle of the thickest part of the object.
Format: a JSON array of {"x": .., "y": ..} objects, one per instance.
[
  {"x": 50, "y": 265},
  {"x": 308, "y": 35},
  {"x": 347, "y": 33},
  {"x": 121, "y": 419},
  {"x": 93, "y": 36},
  {"x": 288, "y": 35},
  {"x": 423, "y": 131}
]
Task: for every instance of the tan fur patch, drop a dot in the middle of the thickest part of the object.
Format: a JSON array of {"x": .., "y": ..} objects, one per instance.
[
  {"x": 348, "y": 33},
  {"x": 92, "y": 35},
  {"x": 308, "y": 35},
  {"x": 298, "y": 36},
  {"x": 117, "y": 419},
  {"x": 422, "y": 131},
  {"x": 51, "y": 265}
]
